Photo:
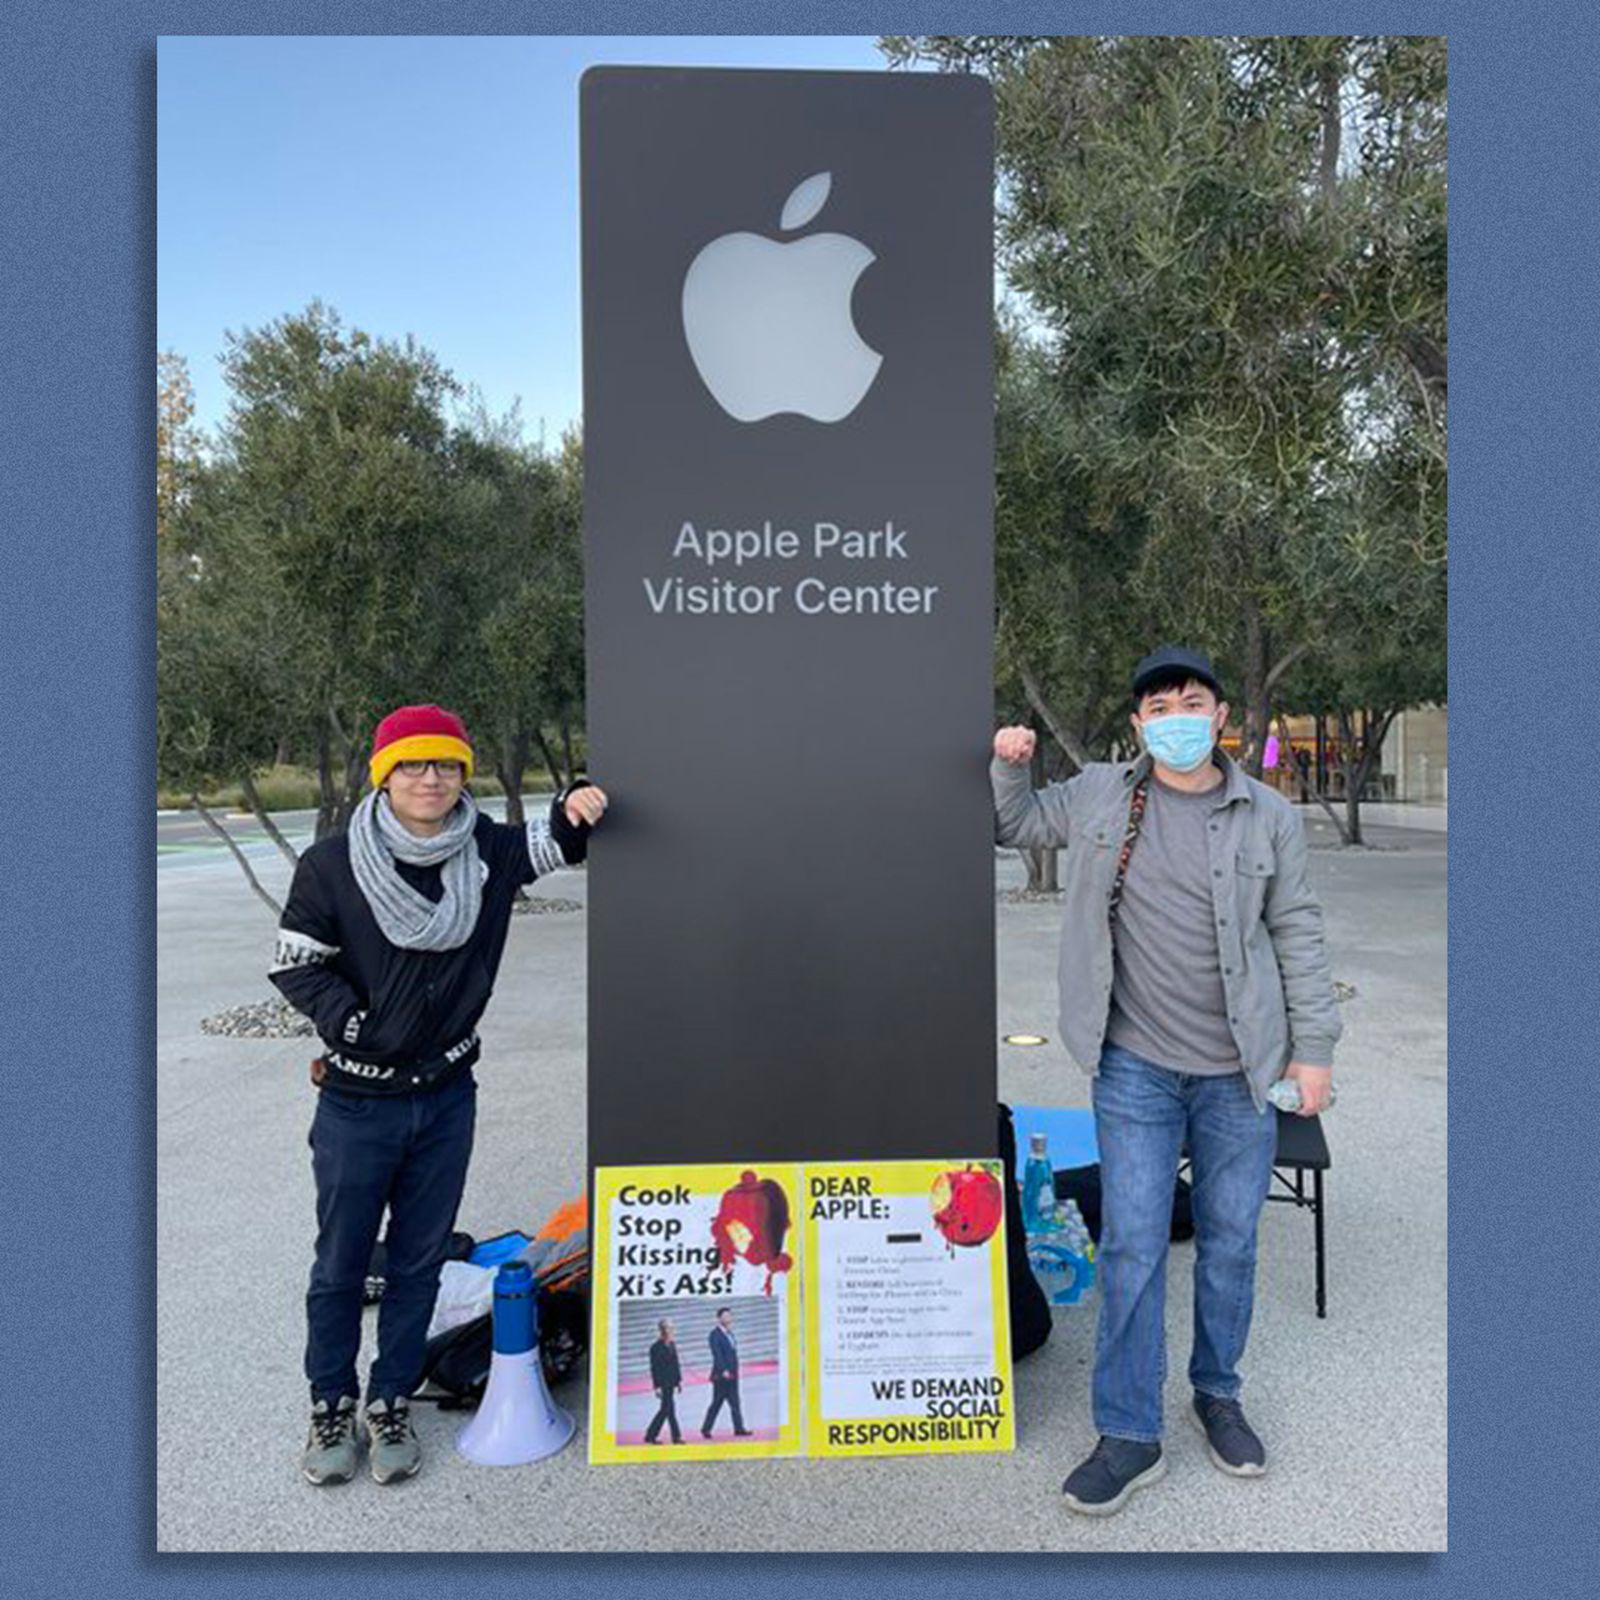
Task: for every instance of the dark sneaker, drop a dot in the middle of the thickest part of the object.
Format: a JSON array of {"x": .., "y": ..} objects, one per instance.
[
  {"x": 1114, "y": 1469},
  {"x": 333, "y": 1447},
  {"x": 1232, "y": 1441},
  {"x": 396, "y": 1452}
]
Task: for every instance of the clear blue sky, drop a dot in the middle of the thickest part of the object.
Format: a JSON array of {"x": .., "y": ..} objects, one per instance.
[{"x": 421, "y": 186}]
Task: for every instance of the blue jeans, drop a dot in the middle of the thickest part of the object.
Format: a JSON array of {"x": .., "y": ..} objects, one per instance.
[
  {"x": 406, "y": 1152},
  {"x": 1144, "y": 1114}
]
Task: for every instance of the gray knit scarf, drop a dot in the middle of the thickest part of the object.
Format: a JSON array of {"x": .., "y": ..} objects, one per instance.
[{"x": 407, "y": 917}]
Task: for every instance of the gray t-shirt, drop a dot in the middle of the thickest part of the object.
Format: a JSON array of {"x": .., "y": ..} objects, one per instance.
[{"x": 1167, "y": 1000}]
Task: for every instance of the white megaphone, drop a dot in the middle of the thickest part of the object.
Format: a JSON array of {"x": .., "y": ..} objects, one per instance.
[{"x": 517, "y": 1421}]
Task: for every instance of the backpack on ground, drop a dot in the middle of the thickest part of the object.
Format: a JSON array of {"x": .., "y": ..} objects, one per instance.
[
  {"x": 1029, "y": 1308},
  {"x": 460, "y": 1248},
  {"x": 1083, "y": 1185},
  {"x": 456, "y": 1362}
]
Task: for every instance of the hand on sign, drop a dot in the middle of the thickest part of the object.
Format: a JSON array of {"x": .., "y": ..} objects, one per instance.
[
  {"x": 1015, "y": 745},
  {"x": 586, "y": 805}
]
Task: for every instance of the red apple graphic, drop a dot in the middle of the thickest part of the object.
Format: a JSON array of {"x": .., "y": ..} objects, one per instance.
[{"x": 967, "y": 1205}]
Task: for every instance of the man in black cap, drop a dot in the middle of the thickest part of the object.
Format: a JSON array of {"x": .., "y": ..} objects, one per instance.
[{"x": 1193, "y": 975}]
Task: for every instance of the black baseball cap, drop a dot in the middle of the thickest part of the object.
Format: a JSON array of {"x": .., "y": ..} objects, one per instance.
[{"x": 1168, "y": 659}]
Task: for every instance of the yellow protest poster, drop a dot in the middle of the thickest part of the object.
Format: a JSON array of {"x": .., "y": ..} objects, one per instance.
[
  {"x": 908, "y": 1339},
  {"x": 695, "y": 1350}
]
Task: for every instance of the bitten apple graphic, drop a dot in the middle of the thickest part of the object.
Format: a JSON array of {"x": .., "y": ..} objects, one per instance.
[
  {"x": 750, "y": 1224},
  {"x": 967, "y": 1206},
  {"x": 769, "y": 324}
]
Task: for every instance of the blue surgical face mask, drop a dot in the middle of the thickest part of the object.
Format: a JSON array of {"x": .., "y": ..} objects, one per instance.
[{"x": 1181, "y": 742}]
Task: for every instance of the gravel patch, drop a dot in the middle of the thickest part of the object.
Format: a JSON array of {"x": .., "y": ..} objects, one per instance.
[
  {"x": 541, "y": 905},
  {"x": 1029, "y": 897},
  {"x": 264, "y": 1019}
]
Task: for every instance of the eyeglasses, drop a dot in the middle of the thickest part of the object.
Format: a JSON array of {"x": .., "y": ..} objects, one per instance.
[{"x": 445, "y": 769}]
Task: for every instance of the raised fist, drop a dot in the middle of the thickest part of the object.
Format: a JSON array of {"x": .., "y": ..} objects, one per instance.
[
  {"x": 587, "y": 804},
  {"x": 1015, "y": 745}
]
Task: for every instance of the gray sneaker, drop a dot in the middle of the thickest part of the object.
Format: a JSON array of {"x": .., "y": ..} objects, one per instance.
[
  {"x": 333, "y": 1447},
  {"x": 1113, "y": 1470},
  {"x": 1231, "y": 1440},
  {"x": 396, "y": 1452}
]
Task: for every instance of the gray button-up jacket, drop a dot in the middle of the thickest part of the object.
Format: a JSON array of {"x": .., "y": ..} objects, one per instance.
[{"x": 1275, "y": 976}]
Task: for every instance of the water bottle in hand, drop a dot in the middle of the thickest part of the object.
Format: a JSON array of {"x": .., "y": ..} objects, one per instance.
[{"x": 1285, "y": 1094}]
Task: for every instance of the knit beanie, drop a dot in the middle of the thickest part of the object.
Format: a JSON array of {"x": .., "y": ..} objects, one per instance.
[{"x": 419, "y": 733}]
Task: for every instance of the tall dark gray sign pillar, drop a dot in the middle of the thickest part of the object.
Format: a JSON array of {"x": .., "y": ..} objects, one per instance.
[{"x": 788, "y": 402}]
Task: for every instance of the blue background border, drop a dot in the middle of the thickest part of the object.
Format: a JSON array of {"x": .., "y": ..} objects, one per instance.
[{"x": 77, "y": 904}]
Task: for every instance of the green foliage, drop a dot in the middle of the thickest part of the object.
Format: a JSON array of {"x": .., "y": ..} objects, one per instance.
[
  {"x": 1067, "y": 632},
  {"x": 1221, "y": 411},
  {"x": 528, "y": 668},
  {"x": 348, "y": 548},
  {"x": 285, "y": 788}
]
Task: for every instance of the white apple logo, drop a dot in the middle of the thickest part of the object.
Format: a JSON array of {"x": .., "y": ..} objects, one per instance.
[{"x": 769, "y": 324}]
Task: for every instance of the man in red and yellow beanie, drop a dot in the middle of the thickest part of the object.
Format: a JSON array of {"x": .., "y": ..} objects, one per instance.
[
  {"x": 414, "y": 733},
  {"x": 390, "y": 942}
]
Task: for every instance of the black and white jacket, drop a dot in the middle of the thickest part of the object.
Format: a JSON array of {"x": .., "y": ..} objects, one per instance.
[{"x": 395, "y": 1021}]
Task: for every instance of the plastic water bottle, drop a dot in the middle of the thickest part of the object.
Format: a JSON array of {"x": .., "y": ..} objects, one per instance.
[
  {"x": 1285, "y": 1095},
  {"x": 1063, "y": 1258},
  {"x": 1076, "y": 1229},
  {"x": 1038, "y": 1188},
  {"x": 1076, "y": 1232}
]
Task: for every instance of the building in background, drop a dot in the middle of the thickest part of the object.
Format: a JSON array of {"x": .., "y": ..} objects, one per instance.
[
  {"x": 1416, "y": 756},
  {"x": 1413, "y": 768}
]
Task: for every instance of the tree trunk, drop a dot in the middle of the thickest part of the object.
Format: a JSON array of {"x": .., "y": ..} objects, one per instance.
[
  {"x": 1042, "y": 865},
  {"x": 1332, "y": 128},
  {"x": 1352, "y": 811},
  {"x": 1047, "y": 714},
  {"x": 1264, "y": 711},
  {"x": 549, "y": 759},
  {"x": 1354, "y": 768},
  {"x": 327, "y": 798},
  {"x": 1319, "y": 784},
  {"x": 238, "y": 855},
  {"x": 1261, "y": 678},
  {"x": 1044, "y": 870},
  {"x": 1360, "y": 765},
  {"x": 1257, "y": 699},
  {"x": 345, "y": 788},
  {"x": 1320, "y": 796},
  {"x": 512, "y": 764},
  {"x": 1373, "y": 752},
  {"x": 355, "y": 780},
  {"x": 252, "y": 798},
  {"x": 566, "y": 745}
]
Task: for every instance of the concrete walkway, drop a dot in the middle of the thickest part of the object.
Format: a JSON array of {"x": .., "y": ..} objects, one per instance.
[
  {"x": 1352, "y": 1408},
  {"x": 1416, "y": 818}
]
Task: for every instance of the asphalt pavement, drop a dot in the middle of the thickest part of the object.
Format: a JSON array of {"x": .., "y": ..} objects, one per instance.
[{"x": 1352, "y": 1408}]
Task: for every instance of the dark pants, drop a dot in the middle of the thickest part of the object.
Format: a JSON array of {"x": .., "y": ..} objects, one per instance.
[
  {"x": 724, "y": 1392},
  {"x": 668, "y": 1414},
  {"x": 406, "y": 1152}
]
